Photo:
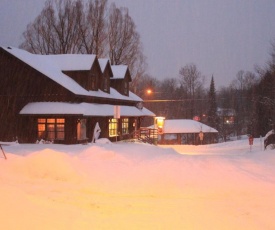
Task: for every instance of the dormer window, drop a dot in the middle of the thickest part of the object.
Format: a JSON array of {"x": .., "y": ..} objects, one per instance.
[
  {"x": 105, "y": 84},
  {"x": 93, "y": 82},
  {"x": 126, "y": 88}
]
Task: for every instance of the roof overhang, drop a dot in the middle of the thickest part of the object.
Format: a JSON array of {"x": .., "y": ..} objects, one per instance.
[
  {"x": 186, "y": 126},
  {"x": 84, "y": 109}
]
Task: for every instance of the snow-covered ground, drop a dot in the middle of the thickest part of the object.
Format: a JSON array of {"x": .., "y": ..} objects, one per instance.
[{"x": 137, "y": 186}]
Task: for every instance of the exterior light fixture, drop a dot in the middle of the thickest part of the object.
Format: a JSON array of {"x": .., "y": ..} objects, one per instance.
[{"x": 159, "y": 124}]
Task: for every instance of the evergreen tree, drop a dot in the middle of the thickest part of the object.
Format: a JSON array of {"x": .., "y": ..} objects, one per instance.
[{"x": 212, "y": 110}]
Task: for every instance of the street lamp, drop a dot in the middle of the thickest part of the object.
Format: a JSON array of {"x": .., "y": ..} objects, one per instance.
[{"x": 149, "y": 91}]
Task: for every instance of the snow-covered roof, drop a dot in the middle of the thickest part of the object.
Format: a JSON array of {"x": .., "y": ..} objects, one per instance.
[
  {"x": 186, "y": 126},
  {"x": 72, "y": 62},
  {"x": 48, "y": 68},
  {"x": 85, "y": 109},
  {"x": 103, "y": 63},
  {"x": 269, "y": 133},
  {"x": 52, "y": 66},
  {"x": 115, "y": 94},
  {"x": 119, "y": 71}
]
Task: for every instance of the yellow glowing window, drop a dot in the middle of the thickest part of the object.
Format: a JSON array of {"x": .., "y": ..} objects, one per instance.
[
  {"x": 113, "y": 125},
  {"x": 125, "y": 126}
]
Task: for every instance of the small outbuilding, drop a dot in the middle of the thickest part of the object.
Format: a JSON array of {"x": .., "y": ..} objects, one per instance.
[{"x": 187, "y": 132}]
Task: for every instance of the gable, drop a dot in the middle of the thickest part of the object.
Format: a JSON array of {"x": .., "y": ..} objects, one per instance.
[
  {"x": 89, "y": 79},
  {"x": 121, "y": 72},
  {"x": 19, "y": 79},
  {"x": 51, "y": 69},
  {"x": 121, "y": 78},
  {"x": 47, "y": 68}
]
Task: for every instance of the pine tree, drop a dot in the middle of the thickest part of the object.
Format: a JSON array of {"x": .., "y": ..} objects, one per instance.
[{"x": 212, "y": 111}]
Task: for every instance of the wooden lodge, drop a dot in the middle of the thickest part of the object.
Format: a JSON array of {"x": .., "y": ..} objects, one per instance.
[{"x": 61, "y": 98}]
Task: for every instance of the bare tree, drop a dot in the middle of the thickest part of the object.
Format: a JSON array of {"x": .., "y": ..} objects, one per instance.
[
  {"x": 56, "y": 29},
  {"x": 67, "y": 25},
  {"x": 93, "y": 28},
  {"x": 39, "y": 35},
  {"x": 170, "y": 106},
  {"x": 71, "y": 26},
  {"x": 191, "y": 78},
  {"x": 242, "y": 94},
  {"x": 271, "y": 62},
  {"x": 192, "y": 82},
  {"x": 237, "y": 83},
  {"x": 124, "y": 40}
]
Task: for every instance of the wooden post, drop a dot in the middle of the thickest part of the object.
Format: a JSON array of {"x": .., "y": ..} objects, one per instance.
[{"x": 3, "y": 152}]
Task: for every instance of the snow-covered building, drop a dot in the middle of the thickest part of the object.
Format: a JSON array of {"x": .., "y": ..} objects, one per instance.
[
  {"x": 185, "y": 131},
  {"x": 61, "y": 98}
]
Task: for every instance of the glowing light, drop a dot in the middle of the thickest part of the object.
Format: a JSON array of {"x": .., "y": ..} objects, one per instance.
[
  {"x": 149, "y": 91},
  {"x": 159, "y": 121}
]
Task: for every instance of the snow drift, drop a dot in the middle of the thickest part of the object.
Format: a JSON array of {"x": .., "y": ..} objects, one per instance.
[{"x": 137, "y": 186}]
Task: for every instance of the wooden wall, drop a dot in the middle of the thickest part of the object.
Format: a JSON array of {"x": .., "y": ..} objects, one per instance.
[{"x": 21, "y": 84}]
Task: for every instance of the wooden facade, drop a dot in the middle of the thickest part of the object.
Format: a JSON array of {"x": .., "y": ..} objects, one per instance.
[
  {"x": 24, "y": 82},
  {"x": 186, "y": 132},
  {"x": 187, "y": 139}
]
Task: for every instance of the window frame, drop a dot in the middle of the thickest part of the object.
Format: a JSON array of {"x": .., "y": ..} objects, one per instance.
[
  {"x": 113, "y": 127},
  {"x": 81, "y": 129},
  {"x": 126, "y": 87},
  {"x": 125, "y": 125},
  {"x": 51, "y": 128}
]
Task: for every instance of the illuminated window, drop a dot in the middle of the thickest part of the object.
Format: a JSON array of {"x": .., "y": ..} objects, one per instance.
[
  {"x": 41, "y": 131},
  {"x": 51, "y": 128},
  {"x": 125, "y": 126},
  {"x": 228, "y": 120},
  {"x": 60, "y": 120},
  {"x": 60, "y": 134},
  {"x": 51, "y": 131},
  {"x": 113, "y": 124}
]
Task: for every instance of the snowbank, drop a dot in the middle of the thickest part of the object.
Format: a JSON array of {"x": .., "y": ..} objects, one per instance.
[{"x": 137, "y": 186}]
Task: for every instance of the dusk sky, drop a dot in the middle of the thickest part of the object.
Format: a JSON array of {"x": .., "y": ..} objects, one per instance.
[{"x": 220, "y": 37}]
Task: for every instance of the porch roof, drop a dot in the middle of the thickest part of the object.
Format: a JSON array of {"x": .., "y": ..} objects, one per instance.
[
  {"x": 85, "y": 109},
  {"x": 186, "y": 126}
]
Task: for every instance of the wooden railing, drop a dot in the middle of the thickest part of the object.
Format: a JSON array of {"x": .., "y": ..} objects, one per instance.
[{"x": 146, "y": 135}]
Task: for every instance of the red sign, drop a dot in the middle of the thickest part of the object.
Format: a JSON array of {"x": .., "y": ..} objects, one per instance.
[{"x": 196, "y": 118}]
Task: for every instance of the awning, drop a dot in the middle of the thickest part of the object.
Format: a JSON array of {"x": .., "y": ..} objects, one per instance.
[{"x": 85, "y": 109}]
